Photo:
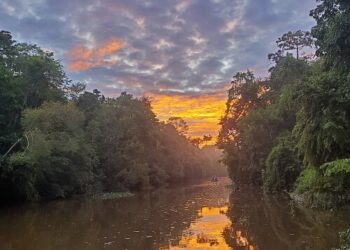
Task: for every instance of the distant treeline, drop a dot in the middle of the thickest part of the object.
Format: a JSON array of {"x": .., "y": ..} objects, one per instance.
[
  {"x": 291, "y": 131},
  {"x": 57, "y": 139}
]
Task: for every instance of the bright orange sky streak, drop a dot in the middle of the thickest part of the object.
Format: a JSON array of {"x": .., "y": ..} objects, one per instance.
[
  {"x": 202, "y": 113},
  {"x": 82, "y": 58}
]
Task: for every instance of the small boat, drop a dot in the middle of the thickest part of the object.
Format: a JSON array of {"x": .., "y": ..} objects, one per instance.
[{"x": 214, "y": 179}]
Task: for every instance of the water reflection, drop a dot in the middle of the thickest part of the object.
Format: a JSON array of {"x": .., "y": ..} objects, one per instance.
[
  {"x": 207, "y": 216},
  {"x": 206, "y": 231},
  {"x": 273, "y": 223}
]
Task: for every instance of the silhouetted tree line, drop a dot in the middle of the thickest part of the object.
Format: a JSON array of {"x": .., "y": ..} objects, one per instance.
[
  {"x": 291, "y": 131},
  {"x": 57, "y": 139}
]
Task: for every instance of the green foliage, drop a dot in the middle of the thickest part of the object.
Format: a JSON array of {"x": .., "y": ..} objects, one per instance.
[
  {"x": 90, "y": 104},
  {"x": 259, "y": 130},
  {"x": 344, "y": 240},
  {"x": 11, "y": 96},
  {"x": 336, "y": 176},
  {"x": 328, "y": 186},
  {"x": 323, "y": 121},
  {"x": 251, "y": 126},
  {"x": 21, "y": 177},
  {"x": 282, "y": 165},
  {"x": 29, "y": 76},
  {"x": 245, "y": 95},
  {"x": 308, "y": 180},
  {"x": 286, "y": 72},
  {"x": 123, "y": 133},
  {"x": 333, "y": 32},
  {"x": 306, "y": 114},
  {"x": 136, "y": 151},
  {"x": 336, "y": 167},
  {"x": 58, "y": 156},
  {"x": 56, "y": 139}
]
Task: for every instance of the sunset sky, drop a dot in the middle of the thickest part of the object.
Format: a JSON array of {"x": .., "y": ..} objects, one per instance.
[{"x": 182, "y": 53}]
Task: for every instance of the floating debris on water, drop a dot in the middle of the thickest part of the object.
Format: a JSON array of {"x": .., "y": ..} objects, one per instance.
[{"x": 110, "y": 196}]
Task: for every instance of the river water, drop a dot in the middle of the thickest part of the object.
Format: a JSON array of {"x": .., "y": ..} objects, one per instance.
[{"x": 202, "y": 216}]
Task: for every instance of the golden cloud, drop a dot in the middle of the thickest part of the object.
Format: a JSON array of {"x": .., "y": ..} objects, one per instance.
[
  {"x": 82, "y": 58},
  {"x": 202, "y": 113}
]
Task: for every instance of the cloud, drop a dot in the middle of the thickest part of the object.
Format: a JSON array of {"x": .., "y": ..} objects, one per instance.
[
  {"x": 229, "y": 26},
  {"x": 183, "y": 48},
  {"x": 81, "y": 58}
]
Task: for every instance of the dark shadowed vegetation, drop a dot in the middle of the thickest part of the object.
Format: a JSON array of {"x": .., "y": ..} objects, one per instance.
[
  {"x": 291, "y": 131},
  {"x": 57, "y": 139}
]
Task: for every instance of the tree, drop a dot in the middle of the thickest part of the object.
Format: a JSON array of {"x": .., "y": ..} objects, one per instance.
[
  {"x": 59, "y": 140},
  {"x": 295, "y": 41},
  {"x": 289, "y": 42},
  {"x": 200, "y": 141},
  {"x": 257, "y": 113},
  {"x": 123, "y": 132},
  {"x": 332, "y": 32},
  {"x": 179, "y": 124},
  {"x": 90, "y": 104},
  {"x": 8, "y": 49},
  {"x": 11, "y": 105},
  {"x": 287, "y": 71},
  {"x": 58, "y": 161},
  {"x": 283, "y": 165},
  {"x": 41, "y": 76},
  {"x": 245, "y": 95},
  {"x": 323, "y": 121},
  {"x": 29, "y": 77}
]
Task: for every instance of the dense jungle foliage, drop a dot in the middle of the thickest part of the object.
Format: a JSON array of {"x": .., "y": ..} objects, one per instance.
[
  {"x": 291, "y": 131},
  {"x": 57, "y": 139}
]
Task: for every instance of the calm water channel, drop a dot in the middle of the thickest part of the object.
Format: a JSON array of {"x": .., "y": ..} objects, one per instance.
[{"x": 205, "y": 216}]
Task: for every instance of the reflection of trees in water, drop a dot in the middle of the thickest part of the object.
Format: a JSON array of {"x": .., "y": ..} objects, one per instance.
[
  {"x": 202, "y": 238},
  {"x": 274, "y": 223},
  {"x": 154, "y": 220},
  {"x": 147, "y": 221},
  {"x": 237, "y": 239},
  {"x": 135, "y": 223}
]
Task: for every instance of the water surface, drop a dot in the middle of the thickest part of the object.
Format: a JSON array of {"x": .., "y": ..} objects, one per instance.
[{"x": 205, "y": 216}]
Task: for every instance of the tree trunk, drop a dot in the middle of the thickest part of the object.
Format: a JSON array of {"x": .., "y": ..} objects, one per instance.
[{"x": 297, "y": 52}]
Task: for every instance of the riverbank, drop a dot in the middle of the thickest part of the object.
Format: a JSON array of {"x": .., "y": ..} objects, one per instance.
[{"x": 322, "y": 200}]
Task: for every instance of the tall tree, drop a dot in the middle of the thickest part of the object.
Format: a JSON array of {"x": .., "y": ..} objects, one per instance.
[
  {"x": 29, "y": 77},
  {"x": 333, "y": 32},
  {"x": 292, "y": 41},
  {"x": 244, "y": 95}
]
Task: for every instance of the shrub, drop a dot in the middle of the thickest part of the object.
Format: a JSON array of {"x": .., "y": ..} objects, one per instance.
[
  {"x": 307, "y": 181},
  {"x": 282, "y": 166},
  {"x": 344, "y": 240}
]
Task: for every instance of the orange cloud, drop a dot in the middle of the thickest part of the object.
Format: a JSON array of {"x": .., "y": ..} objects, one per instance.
[
  {"x": 82, "y": 58},
  {"x": 202, "y": 113}
]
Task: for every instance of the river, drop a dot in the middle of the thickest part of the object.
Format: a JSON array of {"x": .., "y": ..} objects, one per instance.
[{"x": 202, "y": 216}]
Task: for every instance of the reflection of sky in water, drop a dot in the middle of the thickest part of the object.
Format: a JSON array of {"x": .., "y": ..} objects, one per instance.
[
  {"x": 190, "y": 217},
  {"x": 206, "y": 232}
]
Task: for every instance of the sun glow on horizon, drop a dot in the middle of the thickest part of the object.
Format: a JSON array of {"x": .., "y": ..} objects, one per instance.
[{"x": 202, "y": 113}]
